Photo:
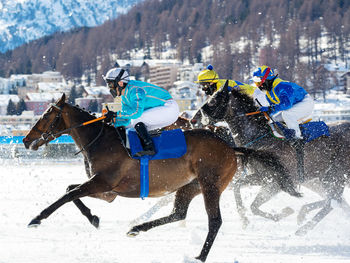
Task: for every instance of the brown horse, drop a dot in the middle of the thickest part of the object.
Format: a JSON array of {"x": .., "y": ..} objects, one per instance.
[{"x": 207, "y": 167}]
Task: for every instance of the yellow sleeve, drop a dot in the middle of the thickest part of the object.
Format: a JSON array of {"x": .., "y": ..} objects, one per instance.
[{"x": 247, "y": 89}]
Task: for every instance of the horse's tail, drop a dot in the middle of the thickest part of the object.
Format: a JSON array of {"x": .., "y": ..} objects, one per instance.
[{"x": 272, "y": 163}]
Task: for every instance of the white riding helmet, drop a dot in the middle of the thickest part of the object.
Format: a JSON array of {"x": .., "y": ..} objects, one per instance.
[{"x": 117, "y": 74}]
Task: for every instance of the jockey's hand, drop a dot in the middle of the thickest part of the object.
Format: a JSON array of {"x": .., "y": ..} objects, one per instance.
[
  {"x": 268, "y": 110},
  {"x": 109, "y": 116}
]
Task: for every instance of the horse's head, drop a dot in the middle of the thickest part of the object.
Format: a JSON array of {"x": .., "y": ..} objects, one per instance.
[
  {"x": 50, "y": 123},
  {"x": 215, "y": 108}
]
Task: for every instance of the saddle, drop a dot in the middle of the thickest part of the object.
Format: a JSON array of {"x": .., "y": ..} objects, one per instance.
[
  {"x": 310, "y": 130},
  {"x": 168, "y": 144}
]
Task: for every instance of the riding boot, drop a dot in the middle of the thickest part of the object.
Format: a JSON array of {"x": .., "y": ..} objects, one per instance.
[{"x": 146, "y": 140}]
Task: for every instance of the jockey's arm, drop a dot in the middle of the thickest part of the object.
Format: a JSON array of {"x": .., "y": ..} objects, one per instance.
[{"x": 132, "y": 108}]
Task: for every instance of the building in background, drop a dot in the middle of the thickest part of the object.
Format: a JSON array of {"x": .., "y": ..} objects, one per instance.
[{"x": 163, "y": 75}]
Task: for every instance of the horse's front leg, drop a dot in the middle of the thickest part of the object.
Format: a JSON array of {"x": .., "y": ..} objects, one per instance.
[
  {"x": 265, "y": 194},
  {"x": 239, "y": 203},
  {"x": 93, "y": 186},
  {"x": 94, "y": 220}
]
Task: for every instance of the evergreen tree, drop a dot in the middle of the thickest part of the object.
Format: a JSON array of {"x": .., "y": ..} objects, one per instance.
[
  {"x": 11, "y": 108},
  {"x": 93, "y": 106},
  {"x": 72, "y": 95},
  {"x": 21, "y": 106}
]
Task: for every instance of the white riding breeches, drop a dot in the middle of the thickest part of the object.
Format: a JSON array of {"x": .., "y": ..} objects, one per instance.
[
  {"x": 297, "y": 114},
  {"x": 158, "y": 117},
  {"x": 260, "y": 98}
]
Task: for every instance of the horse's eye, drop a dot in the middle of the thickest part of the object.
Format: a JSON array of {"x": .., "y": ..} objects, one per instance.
[{"x": 212, "y": 102}]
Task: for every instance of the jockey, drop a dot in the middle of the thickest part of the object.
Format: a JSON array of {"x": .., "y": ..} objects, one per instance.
[
  {"x": 210, "y": 82},
  {"x": 286, "y": 101},
  {"x": 144, "y": 106}
]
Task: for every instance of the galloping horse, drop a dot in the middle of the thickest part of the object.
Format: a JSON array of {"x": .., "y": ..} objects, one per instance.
[
  {"x": 207, "y": 167},
  {"x": 327, "y": 161}
]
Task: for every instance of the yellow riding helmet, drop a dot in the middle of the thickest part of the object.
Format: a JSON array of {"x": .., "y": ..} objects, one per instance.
[{"x": 208, "y": 75}]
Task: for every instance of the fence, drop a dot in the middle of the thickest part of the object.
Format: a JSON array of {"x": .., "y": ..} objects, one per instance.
[{"x": 11, "y": 147}]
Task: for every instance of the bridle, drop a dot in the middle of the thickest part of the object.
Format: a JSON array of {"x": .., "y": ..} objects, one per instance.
[{"x": 48, "y": 135}]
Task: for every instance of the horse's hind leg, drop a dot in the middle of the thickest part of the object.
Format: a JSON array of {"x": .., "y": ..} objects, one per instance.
[
  {"x": 183, "y": 198},
  {"x": 316, "y": 219},
  {"x": 307, "y": 208}
]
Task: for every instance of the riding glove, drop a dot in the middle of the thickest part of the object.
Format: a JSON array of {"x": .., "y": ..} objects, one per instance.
[
  {"x": 110, "y": 115},
  {"x": 268, "y": 110}
]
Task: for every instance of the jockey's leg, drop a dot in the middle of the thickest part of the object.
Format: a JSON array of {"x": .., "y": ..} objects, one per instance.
[
  {"x": 158, "y": 117},
  {"x": 294, "y": 115}
]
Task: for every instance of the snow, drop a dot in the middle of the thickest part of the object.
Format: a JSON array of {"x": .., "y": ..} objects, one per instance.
[{"x": 66, "y": 236}]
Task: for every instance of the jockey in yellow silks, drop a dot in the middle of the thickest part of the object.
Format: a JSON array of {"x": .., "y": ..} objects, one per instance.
[{"x": 210, "y": 82}]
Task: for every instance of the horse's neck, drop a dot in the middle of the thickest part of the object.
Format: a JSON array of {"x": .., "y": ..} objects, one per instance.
[
  {"x": 85, "y": 134},
  {"x": 245, "y": 132},
  {"x": 245, "y": 129}
]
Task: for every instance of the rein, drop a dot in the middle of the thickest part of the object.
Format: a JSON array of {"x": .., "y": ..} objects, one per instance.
[{"x": 45, "y": 136}]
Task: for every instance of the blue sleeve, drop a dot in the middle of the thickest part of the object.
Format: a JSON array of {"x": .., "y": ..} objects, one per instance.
[
  {"x": 134, "y": 105},
  {"x": 286, "y": 99}
]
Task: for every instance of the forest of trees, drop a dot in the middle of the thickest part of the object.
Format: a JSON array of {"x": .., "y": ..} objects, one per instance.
[
  {"x": 283, "y": 34},
  {"x": 16, "y": 109}
]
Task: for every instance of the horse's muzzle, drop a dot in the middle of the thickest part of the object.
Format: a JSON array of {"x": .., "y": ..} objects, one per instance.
[
  {"x": 33, "y": 145},
  {"x": 26, "y": 142}
]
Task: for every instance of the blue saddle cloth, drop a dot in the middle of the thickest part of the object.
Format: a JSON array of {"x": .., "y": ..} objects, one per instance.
[
  {"x": 169, "y": 144},
  {"x": 314, "y": 129},
  {"x": 310, "y": 130}
]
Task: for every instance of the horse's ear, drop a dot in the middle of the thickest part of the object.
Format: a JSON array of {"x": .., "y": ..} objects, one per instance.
[
  {"x": 61, "y": 101},
  {"x": 225, "y": 88}
]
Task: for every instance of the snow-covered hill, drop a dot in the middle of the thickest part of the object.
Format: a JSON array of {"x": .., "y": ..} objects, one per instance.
[{"x": 24, "y": 20}]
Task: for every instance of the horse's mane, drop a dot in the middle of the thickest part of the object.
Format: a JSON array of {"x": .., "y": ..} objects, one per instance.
[
  {"x": 247, "y": 101},
  {"x": 246, "y": 105},
  {"x": 87, "y": 115}
]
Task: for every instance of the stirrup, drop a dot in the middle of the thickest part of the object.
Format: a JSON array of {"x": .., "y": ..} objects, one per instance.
[
  {"x": 147, "y": 150},
  {"x": 275, "y": 132}
]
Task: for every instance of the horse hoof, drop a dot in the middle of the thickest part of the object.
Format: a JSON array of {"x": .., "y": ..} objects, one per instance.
[
  {"x": 200, "y": 259},
  {"x": 95, "y": 221},
  {"x": 300, "y": 232},
  {"x": 287, "y": 211},
  {"x": 245, "y": 224},
  {"x": 34, "y": 223},
  {"x": 133, "y": 232}
]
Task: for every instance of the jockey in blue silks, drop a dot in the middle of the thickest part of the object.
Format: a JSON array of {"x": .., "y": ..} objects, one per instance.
[
  {"x": 284, "y": 100},
  {"x": 144, "y": 106}
]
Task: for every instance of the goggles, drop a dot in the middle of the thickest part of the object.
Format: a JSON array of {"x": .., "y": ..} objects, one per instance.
[{"x": 110, "y": 84}]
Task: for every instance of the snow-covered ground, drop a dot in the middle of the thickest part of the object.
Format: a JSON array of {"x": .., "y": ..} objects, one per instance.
[{"x": 26, "y": 189}]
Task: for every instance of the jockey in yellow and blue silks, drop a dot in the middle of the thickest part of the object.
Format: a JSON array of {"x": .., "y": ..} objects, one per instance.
[
  {"x": 210, "y": 82},
  {"x": 145, "y": 106},
  {"x": 284, "y": 97}
]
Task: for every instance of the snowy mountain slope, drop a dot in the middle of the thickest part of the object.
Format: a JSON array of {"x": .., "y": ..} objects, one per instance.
[{"x": 24, "y": 20}]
